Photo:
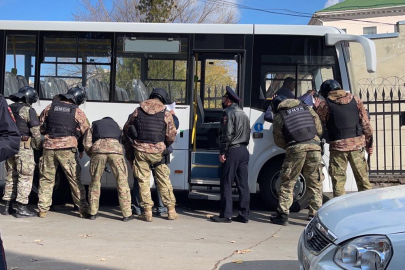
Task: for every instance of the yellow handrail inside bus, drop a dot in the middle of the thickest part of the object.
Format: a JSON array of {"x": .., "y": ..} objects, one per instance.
[{"x": 194, "y": 133}]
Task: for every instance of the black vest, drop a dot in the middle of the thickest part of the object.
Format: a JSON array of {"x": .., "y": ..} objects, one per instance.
[
  {"x": 22, "y": 125},
  {"x": 106, "y": 128},
  {"x": 150, "y": 128},
  {"x": 61, "y": 121},
  {"x": 299, "y": 125},
  {"x": 344, "y": 121}
]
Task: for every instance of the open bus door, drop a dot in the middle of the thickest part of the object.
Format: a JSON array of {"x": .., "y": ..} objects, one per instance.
[{"x": 213, "y": 71}]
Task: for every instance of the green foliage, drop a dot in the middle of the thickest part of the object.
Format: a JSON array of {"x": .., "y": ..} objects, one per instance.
[{"x": 157, "y": 11}]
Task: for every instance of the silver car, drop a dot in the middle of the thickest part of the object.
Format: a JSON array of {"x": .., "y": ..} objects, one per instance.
[{"x": 364, "y": 230}]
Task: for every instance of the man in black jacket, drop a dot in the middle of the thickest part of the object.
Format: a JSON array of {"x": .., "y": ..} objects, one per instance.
[
  {"x": 9, "y": 146},
  {"x": 234, "y": 136}
]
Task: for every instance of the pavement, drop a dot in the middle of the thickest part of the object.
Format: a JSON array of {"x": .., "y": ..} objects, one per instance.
[{"x": 62, "y": 240}]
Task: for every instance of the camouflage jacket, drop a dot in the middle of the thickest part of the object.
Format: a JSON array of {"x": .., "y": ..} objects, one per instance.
[
  {"x": 350, "y": 144},
  {"x": 101, "y": 146},
  {"x": 36, "y": 139},
  {"x": 63, "y": 142},
  {"x": 278, "y": 126},
  {"x": 153, "y": 106}
]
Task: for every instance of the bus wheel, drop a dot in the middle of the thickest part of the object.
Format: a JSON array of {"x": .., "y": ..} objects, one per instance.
[
  {"x": 61, "y": 189},
  {"x": 269, "y": 181}
]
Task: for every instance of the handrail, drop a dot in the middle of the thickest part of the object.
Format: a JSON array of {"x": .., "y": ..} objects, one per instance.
[{"x": 194, "y": 133}]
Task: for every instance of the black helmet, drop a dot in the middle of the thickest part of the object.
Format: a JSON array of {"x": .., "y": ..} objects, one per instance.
[
  {"x": 327, "y": 86},
  {"x": 161, "y": 94},
  {"x": 75, "y": 94},
  {"x": 26, "y": 94},
  {"x": 276, "y": 101}
]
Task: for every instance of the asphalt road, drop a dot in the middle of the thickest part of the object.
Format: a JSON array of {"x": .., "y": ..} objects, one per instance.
[{"x": 64, "y": 241}]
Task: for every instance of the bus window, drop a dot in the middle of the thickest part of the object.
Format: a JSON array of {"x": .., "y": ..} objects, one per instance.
[
  {"x": 20, "y": 63},
  {"x": 218, "y": 75},
  {"x": 138, "y": 73},
  {"x": 75, "y": 61}
]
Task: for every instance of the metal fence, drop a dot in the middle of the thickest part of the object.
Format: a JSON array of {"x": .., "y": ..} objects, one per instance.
[{"x": 385, "y": 101}]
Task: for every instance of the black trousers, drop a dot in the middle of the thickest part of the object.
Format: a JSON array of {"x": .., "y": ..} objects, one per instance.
[{"x": 235, "y": 169}]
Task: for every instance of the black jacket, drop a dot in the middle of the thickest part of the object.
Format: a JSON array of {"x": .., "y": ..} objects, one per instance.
[
  {"x": 234, "y": 130},
  {"x": 9, "y": 135}
]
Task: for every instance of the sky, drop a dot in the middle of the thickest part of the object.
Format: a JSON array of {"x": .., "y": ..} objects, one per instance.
[{"x": 62, "y": 10}]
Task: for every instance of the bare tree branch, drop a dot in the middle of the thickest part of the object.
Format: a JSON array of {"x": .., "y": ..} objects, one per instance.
[{"x": 184, "y": 11}]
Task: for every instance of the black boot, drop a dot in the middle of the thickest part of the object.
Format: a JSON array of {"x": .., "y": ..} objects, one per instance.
[
  {"x": 8, "y": 208},
  {"x": 280, "y": 219},
  {"x": 23, "y": 212}
]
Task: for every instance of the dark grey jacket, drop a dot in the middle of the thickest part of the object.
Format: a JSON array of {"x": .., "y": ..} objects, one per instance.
[{"x": 234, "y": 130}]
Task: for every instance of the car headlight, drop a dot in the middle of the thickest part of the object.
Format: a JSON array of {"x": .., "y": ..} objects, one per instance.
[{"x": 367, "y": 252}]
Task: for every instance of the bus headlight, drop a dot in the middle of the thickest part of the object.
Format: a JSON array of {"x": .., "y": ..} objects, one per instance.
[{"x": 367, "y": 252}]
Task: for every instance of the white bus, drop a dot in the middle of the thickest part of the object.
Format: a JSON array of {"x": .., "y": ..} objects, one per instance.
[{"x": 120, "y": 63}]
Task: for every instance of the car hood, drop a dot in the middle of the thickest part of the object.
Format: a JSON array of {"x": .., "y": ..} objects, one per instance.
[{"x": 378, "y": 211}]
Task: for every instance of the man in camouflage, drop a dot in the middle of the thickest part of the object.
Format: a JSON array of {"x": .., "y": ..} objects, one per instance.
[
  {"x": 155, "y": 131},
  {"x": 350, "y": 134},
  {"x": 102, "y": 144},
  {"x": 20, "y": 168},
  {"x": 62, "y": 123},
  {"x": 297, "y": 129}
]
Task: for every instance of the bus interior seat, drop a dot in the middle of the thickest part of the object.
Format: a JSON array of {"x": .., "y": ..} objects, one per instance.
[
  {"x": 22, "y": 81},
  {"x": 10, "y": 84},
  {"x": 118, "y": 94},
  {"x": 139, "y": 91},
  {"x": 206, "y": 131}
]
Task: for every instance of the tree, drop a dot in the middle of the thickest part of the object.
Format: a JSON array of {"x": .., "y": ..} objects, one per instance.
[
  {"x": 157, "y": 11},
  {"x": 181, "y": 11}
]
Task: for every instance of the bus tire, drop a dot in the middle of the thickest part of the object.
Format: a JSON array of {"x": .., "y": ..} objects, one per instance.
[
  {"x": 61, "y": 189},
  {"x": 269, "y": 179}
]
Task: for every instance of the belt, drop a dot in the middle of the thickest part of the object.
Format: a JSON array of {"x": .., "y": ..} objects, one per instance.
[{"x": 314, "y": 142}]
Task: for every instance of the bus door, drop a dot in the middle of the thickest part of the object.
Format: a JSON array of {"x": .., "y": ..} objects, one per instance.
[{"x": 213, "y": 71}]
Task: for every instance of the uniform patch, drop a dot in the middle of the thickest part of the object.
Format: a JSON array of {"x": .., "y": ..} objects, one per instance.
[
  {"x": 224, "y": 120},
  {"x": 61, "y": 109}
]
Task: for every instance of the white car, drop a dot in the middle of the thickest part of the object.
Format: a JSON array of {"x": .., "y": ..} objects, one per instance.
[{"x": 364, "y": 230}]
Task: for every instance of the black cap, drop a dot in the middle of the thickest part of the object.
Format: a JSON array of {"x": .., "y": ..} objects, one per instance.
[
  {"x": 231, "y": 94},
  {"x": 161, "y": 94}
]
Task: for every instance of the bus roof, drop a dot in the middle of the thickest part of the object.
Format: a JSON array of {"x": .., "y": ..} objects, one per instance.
[{"x": 181, "y": 28}]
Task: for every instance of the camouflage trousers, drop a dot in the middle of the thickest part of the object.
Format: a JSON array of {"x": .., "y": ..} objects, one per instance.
[
  {"x": 119, "y": 168},
  {"x": 338, "y": 166},
  {"x": 20, "y": 173},
  {"x": 310, "y": 163},
  {"x": 69, "y": 162},
  {"x": 142, "y": 171}
]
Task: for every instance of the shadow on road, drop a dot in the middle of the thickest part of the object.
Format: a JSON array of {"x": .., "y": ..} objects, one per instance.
[
  {"x": 32, "y": 262},
  {"x": 261, "y": 265}
]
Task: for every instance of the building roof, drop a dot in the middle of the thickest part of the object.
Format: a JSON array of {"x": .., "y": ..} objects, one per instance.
[{"x": 363, "y": 4}]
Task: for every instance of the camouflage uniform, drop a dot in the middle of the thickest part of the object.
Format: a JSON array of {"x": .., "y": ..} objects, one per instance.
[
  {"x": 305, "y": 157},
  {"x": 111, "y": 151},
  {"x": 147, "y": 154},
  {"x": 348, "y": 150},
  {"x": 20, "y": 168},
  {"x": 61, "y": 151}
]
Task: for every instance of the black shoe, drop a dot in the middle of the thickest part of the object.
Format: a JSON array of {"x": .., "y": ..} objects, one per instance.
[
  {"x": 240, "y": 219},
  {"x": 23, "y": 212},
  {"x": 126, "y": 219},
  {"x": 93, "y": 217},
  {"x": 221, "y": 219},
  {"x": 159, "y": 214},
  {"x": 279, "y": 219},
  {"x": 8, "y": 208},
  {"x": 310, "y": 217}
]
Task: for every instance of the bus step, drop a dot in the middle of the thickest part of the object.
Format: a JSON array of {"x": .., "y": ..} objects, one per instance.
[
  {"x": 205, "y": 181},
  {"x": 205, "y": 158},
  {"x": 205, "y": 171},
  {"x": 212, "y": 195}
]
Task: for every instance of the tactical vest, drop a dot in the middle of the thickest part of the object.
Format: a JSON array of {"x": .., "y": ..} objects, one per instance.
[
  {"x": 61, "y": 121},
  {"x": 344, "y": 121},
  {"x": 150, "y": 128},
  {"x": 299, "y": 125},
  {"x": 22, "y": 124},
  {"x": 106, "y": 128}
]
